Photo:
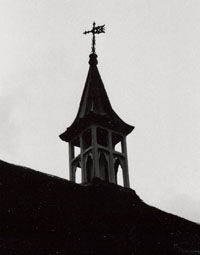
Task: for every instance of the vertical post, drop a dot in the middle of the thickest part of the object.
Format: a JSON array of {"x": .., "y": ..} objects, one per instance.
[
  {"x": 74, "y": 173},
  {"x": 83, "y": 174},
  {"x": 71, "y": 156},
  {"x": 125, "y": 170},
  {"x": 112, "y": 177},
  {"x": 95, "y": 152}
]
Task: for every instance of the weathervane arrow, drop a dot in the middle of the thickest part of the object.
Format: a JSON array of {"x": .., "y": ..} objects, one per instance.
[{"x": 95, "y": 30}]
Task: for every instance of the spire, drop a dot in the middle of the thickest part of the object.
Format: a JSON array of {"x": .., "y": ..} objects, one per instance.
[{"x": 95, "y": 106}]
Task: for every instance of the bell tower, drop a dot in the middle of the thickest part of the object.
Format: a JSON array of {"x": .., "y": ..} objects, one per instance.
[{"x": 97, "y": 137}]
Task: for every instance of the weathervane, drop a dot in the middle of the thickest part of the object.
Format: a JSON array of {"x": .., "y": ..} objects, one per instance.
[{"x": 95, "y": 30}]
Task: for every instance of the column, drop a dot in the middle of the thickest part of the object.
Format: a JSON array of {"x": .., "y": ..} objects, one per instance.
[
  {"x": 112, "y": 177},
  {"x": 83, "y": 173},
  {"x": 95, "y": 152},
  {"x": 71, "y": 156},
  {"x": 125, "y": 170}
]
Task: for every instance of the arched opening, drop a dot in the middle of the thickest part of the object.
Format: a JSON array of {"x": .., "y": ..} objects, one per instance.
[
  {"x": 77, "y": 173},
  {"x": 118, "y": 147},
  {"x": 89, "y": 169},
  {"x": 117, "y": 142},
  {"x": 119, "y": 173},
  {"x": 103, "y": 167},
  {"x": 75, "y": 148}
]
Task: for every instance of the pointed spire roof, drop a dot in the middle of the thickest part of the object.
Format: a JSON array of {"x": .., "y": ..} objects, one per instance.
[{"x": 95, "y": 107}]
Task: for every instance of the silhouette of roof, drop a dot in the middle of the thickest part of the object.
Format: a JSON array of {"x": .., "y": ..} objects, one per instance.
[
  {"x": 95, "y": 106},
  {"x": 43, "y": 214}
]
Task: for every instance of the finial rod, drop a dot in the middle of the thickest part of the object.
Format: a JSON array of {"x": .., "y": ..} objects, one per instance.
[{"x": 95, "y": 30}]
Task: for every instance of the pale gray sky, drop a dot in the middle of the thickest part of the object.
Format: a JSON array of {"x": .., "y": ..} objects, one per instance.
[{"x": 149, "y": 60}]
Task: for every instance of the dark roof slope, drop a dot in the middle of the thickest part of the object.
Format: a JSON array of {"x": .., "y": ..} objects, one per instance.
[
  {"x": 95, "y": 106},
  {"x": 43, "y": 215}
]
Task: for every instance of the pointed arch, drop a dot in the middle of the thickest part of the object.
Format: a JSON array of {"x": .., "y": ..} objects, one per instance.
[
  {"x": 89, "y": 168},
  {"x": 77, "y": 172},
  {"x": 118, "y": 167},
  {"x": 103, "y": 167}
]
